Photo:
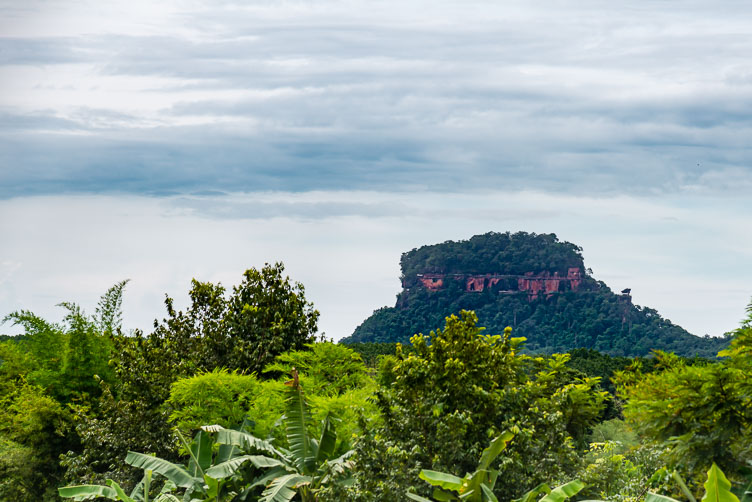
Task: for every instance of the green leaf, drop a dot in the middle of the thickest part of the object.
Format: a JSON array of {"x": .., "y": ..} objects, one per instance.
[
  {"x": 166, "y": 497},
  {"x": 472, "y": 485},
  {"x": 532, "y": 495},
  {"x": 246, "y": 441},
  {"x": 340, "y": 464},
  {"x": 413, "y": 496},
  {"x": 228, "y": 451},
  {"x": 297, "y": 420},
  {"x": 140, "y": 492},
  {"x": 654, "y": 497},
  {"x": 174, "y": 473},
  {"x": 717, "y": 487},
  {"x": 120, "y": 493},
  {"x": 201, "y": 454},
  {"x": 87, "y": 492},
  {"x": 564, "y": 491},
  {"x": 488, "y": 493},
  {"x": 282, "y": 489},
  {"x": 493, "y": 475},
  {"x": 263, "y": 462},
  {"x": 229, "y": 468},
  {"x": 683, "y": 486},
  {"x": 327, "y": 442},
  {"x": 442, "y": 479},
  {"x": 272, "y": 474},
  {"x": 494, "y": 449},
  {"x": 212, "y": 487},
  {"x": 168, "y": 487},
  {"x": 443, "y": 496},
  {"x": 747, "y": 495}
]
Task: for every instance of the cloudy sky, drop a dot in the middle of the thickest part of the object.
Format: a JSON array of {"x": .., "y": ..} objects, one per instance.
[{"x": 161, "y": 141}]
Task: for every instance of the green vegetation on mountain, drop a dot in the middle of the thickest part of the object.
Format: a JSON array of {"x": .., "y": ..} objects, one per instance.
[
  {"x": 581, "y": 314},
  {"x": 497, "y": 253}
]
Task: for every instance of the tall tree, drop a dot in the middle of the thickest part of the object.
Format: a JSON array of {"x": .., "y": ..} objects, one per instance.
[
  {"x": 442, "y": 403},
  {"x": 266, "y": 315},
  {"x": 263, "y": 316},
  {"x": 53, "y": 367}
]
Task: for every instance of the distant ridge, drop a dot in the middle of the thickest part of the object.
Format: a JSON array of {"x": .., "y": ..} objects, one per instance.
[{"x": 532, "y": 282}]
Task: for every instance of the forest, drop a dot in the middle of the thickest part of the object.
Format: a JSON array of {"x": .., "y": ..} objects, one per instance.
[{"x": 237, "y": 398}]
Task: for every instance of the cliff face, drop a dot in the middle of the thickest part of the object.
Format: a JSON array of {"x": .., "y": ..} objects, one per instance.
[
  {"x": 534, "y": 283},
  {"x": 531, "y": 283}
]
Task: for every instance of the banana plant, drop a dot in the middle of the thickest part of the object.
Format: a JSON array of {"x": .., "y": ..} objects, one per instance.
[
  {"x": 222, "y": 474},
  {"x": 558, "y": 494},
  {"x": 717, "y": 489},
  {"x": 474, "y": 487},
  {"x": 113, "y": 491},
  {"x": 478, "y": 486},
  {"x": 306, "y": 465},
  {"x": 208, "y": 477}
]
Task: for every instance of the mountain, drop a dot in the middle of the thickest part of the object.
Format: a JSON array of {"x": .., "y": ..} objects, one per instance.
[{"x": 532, "y": 282}]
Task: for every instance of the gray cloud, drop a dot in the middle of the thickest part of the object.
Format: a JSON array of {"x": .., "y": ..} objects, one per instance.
[
  {"x": 250, "y": 208},
  {"x": 53, "y": 50},
  {"x": 303, "y": 96}
]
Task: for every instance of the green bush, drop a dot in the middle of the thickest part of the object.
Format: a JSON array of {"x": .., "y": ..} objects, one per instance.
[{"x": 225, "y": 398}]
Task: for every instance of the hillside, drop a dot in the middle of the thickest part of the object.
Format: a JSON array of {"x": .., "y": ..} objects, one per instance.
[{"x": 532, "y": 282}]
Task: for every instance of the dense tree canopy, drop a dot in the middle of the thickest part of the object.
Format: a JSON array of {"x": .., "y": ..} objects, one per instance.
[
  {"x": 703, "y": 410},
  {"x": 279, "y": 417},
  {"x": 42, "y": 374},
  {"x": 442, "y": 403},
  {"x": 263, "y": 316},
  {"x": 494, "y": 253}
]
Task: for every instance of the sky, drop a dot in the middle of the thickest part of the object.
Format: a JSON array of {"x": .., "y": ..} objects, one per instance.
[{"x": 165, "y": 141}]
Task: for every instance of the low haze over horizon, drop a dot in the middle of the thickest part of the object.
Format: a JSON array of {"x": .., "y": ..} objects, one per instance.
[{"x": 165, "y": 141}]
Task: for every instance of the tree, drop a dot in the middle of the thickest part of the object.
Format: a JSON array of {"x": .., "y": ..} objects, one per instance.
[
  {"x": 218, "y": 471},
  {"x": 51, "y": 368},
  {"x": 330, "y": 369},
  {"x": 441, "y": 403},
  {"x": 87, "y": 356},
  {"x": 42, "y": 350},
  {"x": 704, "y": 410},
  {"x": 265, "y": 315},
  {"x": 336, "y": 381},
  {"x": 34, "y": 430},
  {"x": 67, "y": 359}
]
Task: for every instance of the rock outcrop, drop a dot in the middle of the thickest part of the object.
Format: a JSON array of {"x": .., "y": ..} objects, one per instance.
[{"x": 531, "y": 283}]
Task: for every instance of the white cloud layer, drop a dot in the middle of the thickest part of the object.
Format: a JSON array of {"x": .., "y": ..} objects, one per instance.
[{"x": 688, "y": 261}]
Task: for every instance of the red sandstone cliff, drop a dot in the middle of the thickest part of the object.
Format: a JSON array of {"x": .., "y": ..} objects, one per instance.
[{"x": 532, "y": 284}]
